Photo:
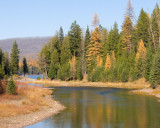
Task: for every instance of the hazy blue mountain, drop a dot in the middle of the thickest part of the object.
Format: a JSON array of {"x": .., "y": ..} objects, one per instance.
[{"x": 29, "y": 47}]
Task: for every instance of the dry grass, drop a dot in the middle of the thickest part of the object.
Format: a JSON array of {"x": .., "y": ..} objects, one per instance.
[
  {"x": 136, "y": 84},
  {"x": 28, "y": 99}
]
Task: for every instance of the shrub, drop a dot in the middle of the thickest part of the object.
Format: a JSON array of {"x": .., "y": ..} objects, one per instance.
[
  {"x": 38, "y": 78},
  {"x": 11, "y": 87}
]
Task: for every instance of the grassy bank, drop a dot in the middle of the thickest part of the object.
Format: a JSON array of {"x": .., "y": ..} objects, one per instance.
[
  {"x": 30, "y": 105},
  {"x": 148, "y": 91},
  {"x": 136, "y": 84}
]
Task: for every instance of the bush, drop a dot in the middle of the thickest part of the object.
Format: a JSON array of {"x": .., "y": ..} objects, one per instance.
[
  {"x": 11, "y": 87},
  {"x": 38, "y": 78}
]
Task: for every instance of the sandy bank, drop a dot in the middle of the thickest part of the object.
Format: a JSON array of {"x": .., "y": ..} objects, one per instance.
[
  {"x": 30, "y": 105},
  {"x": 28, "y": 119},
  {"x": 148, "y": 91}
]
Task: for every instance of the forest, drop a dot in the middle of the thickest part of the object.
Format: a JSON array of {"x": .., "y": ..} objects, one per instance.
[
  {"x": 106, "y": 55},
  {"x": 98, "y": 54}
]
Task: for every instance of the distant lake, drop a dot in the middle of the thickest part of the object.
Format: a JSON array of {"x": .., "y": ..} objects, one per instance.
[
  {"x": 34, "y": 76},
  {"x": 88, "y": 107}
]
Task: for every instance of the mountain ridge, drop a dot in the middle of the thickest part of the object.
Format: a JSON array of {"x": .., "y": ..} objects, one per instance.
[{"x": 29, "y": 46}]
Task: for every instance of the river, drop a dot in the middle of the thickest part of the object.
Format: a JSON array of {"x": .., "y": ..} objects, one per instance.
[{"x": 93, "y": 107}]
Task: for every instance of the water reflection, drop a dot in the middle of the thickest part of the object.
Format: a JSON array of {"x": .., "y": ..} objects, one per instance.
[{"x": 102, "y": 108}]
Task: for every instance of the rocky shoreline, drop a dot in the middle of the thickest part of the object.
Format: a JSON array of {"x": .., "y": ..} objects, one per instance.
[{"x": 21, "y": 121}]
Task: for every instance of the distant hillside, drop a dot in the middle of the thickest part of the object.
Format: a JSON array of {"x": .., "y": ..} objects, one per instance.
[{"x": 29, "y": 47}]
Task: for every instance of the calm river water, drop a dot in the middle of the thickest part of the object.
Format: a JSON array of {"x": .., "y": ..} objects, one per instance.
[{"x": 102, "y": 108}]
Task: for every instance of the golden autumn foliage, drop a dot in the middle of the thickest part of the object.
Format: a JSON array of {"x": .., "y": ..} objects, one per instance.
[
  {"x": 108, "y": 62},
  {"x": 127, "y": 34},
  {"x": 94, "y": 47},
  {"x": 72, "y": 63},
  {"x": 128, "y": 28},
  {"x": 113, "y": 58},
  {"x": 99, "y": 61},
  {"x": 95, "y": 21},
  {"x": 141, "y": 53}
]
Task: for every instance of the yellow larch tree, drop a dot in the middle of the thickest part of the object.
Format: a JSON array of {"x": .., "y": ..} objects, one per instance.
[
  {"x": 113, "y": 58},
  {"x": 127, "y": 28},
  {"x": 99, "y": 61},
  {"x": 141, "y": 53},
  {"x": 94, "y": 47},
  {"x": 108, "y": 62},
  {"x": 95, "y": 22}
]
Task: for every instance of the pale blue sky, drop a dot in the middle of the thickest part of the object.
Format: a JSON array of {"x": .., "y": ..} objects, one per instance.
[{"x": 32, "y": 18}]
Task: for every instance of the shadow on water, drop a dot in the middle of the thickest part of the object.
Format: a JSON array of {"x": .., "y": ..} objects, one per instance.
[{"x": 93, "y": 107}]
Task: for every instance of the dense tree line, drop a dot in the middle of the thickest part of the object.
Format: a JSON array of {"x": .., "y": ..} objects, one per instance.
[
  {"x": 9, "y": 64},
  {"x": 106, "y": 55}
]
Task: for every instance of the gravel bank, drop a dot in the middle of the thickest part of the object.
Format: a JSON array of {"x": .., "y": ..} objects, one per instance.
[
  {"x": 149, "y": 91},
  {"x": 28, "y": 119}
]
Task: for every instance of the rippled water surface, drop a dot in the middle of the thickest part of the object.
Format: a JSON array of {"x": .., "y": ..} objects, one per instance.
[{"x": 102, "y": 108}]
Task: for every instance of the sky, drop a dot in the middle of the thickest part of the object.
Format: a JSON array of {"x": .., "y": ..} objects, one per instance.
[{"x": 41, "y": 18}]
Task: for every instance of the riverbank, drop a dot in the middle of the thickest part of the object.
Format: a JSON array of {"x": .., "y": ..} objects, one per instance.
[
  {"x": 30, "y": 105},
  {"x": 139, "y": 84},
  {"x": 148, "y": 91}
]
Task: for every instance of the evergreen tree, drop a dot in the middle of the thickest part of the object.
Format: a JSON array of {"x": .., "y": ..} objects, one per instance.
[
  {"x": 52, "y": 74},
  {"x": 7, "y": 63},
  {"x": 86, "y": 42},
  {"x": 155, "y": 71},
  {"x": 2, "y": 64},
  {"x": 104, "y": 42},
  {"x": 148, "y": 62},
  {"x": 54, "y": 44},
  {"x": 74, "y": 36},
  {"x": 54, "y": 65},
  {"x": 73, "y": 67},
  {"x": 155, "y": 26},
  {"x": 25, "y": 66},
  {"x": 65, "y": 51},
  {"x": 124, "y": 76},
  {"x": 45, "y": 59},
  {"x": 15, "y": 58},
  {"x": 64, "y": 72},
  {"x": 113, "y": 39},
  {"x": 143, "y": 27},
  {"x": 11, "y": 87},
  {"x": 127, "y": 28},
  {"x": 60, "y": 36}
]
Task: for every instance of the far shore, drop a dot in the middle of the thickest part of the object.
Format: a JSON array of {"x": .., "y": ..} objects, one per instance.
[{"x": 139, "y": 84}]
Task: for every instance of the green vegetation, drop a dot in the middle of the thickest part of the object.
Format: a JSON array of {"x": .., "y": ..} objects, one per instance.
[
  {"x": 25, "y": 67},
  {"x": 11, "y": 87},
  {"x": 15, "y": 59},
  {"x": 107, "y": 55}
]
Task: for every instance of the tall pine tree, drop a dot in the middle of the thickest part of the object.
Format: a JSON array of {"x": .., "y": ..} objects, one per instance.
[
  {"x": 15, "y": 58},
  {"x": 25, "y": 66},
  {"x": 74, "y": 36}
]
